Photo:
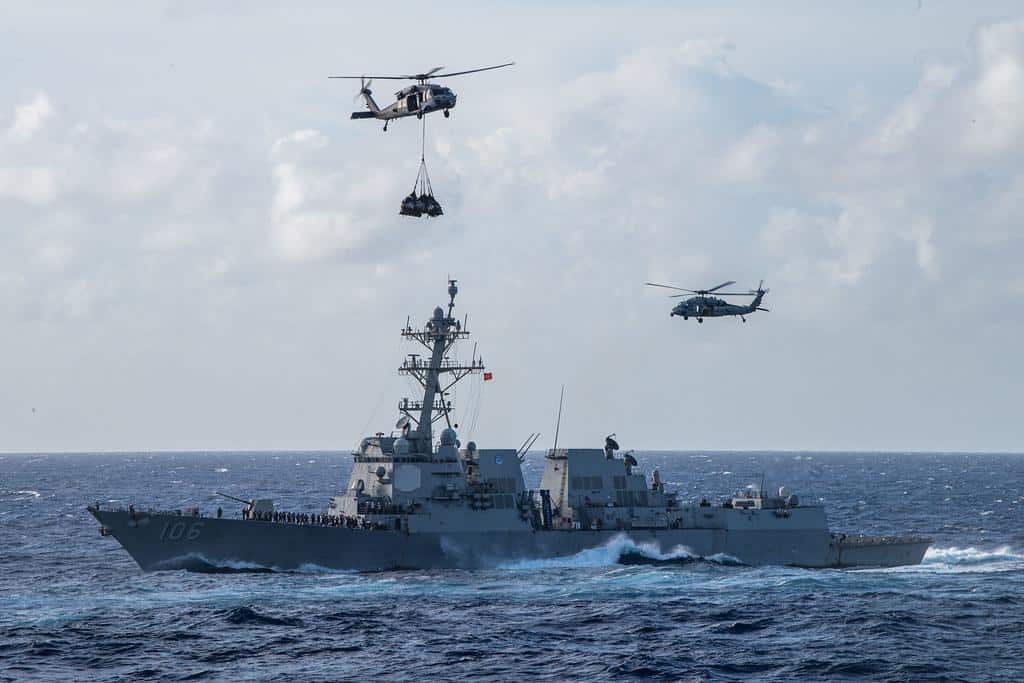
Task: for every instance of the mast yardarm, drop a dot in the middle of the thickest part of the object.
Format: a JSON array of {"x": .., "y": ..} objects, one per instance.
[{"x": 436, "y": 375}]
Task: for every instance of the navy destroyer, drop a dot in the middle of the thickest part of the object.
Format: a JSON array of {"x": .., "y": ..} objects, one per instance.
[{"x": 416, "y": 501}]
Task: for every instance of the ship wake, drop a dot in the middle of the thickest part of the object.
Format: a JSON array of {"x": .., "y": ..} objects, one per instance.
[{"x": 971, "y": 559}]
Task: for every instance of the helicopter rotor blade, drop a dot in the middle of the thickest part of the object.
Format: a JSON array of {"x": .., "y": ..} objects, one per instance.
[
  {"x": 423, "y": 76},
  {"x": 681, "y": 289},
  {"x": 429, "y": 74},
  {"x": 388, "y": 78},
  {"x": 724, "y": 284},
  {"x": 471, "y": 71}
]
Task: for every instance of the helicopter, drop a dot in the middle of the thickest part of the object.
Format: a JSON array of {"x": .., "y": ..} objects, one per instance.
[
  {"x": 705, "y": 306},
  {"x": 413, "y": 100}
]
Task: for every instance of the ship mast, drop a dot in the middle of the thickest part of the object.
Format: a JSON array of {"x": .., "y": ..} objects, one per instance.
[{"x": 436, "y": 375}]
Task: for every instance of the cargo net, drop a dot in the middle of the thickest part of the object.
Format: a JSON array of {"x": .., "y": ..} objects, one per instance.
[{"x": 421, "y": 201}]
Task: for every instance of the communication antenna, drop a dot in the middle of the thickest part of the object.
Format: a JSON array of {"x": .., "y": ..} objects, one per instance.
[{"x": 558, "y": 423}]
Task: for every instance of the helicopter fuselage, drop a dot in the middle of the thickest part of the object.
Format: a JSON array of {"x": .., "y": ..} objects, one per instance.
[
  {"x": 701, "y": 307},
  {"x": 415, "y": 100}
]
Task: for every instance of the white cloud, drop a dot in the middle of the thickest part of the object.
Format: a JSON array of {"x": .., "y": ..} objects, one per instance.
[
  {"x": 307, "y": 136},
  {"x": 996, "y": 97},
  {"x": 785, "y": 231},
  {"x": 195, "y": 208},
  {"x": 319, "y": 211},
  {"x": 749, "y": 159},
  {"x": 901, "y": 124},
  {"x": 921, "y": 232},
  {"x": 30, "y": 117},
  {"x": 586, "y": 183},
  {"x": 151, "y": 169}
]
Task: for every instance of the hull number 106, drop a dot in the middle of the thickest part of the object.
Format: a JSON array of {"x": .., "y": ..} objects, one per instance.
[{"x": 176, "y": 531}]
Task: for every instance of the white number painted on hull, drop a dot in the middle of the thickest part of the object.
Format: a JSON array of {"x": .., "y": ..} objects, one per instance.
[{"x": 176, "y": 531}]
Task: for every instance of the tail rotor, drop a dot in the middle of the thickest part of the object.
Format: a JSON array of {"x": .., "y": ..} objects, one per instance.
[
  {"x": 759, "y": 294},
  {"x": 364, "y": 89}
]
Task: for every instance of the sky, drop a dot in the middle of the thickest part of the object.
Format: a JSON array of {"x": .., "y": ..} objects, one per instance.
[{"x": 200, "y": 251}]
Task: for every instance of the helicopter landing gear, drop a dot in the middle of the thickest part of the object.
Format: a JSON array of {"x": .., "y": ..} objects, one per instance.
[
  {"x": 700, "y": 320},
  {"x": 447, "y": 113},
  {"x": 686, "y": 317},
  {"x": 743, "y": 319},
  {"x": 386, "y": 125},
  {"x": 419, "y": 115}
]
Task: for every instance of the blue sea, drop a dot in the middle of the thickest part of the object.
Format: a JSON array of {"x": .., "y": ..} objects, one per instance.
[{"x": 74, "y": 606}]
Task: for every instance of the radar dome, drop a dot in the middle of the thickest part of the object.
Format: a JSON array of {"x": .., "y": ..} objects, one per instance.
[
  {"x": 448, "y": 435},
  {"x": 380, "y": 471},
  {"x": 793, "y": 501},
  {"x": 783, "y": 492},
  {"x": 401, "y": 446},
  {"x": 438, "y": 313},
  {"x": 471, "y": 446}
]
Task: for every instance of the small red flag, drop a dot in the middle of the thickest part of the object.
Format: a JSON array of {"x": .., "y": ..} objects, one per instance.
[{"x": 488, "y": 376}]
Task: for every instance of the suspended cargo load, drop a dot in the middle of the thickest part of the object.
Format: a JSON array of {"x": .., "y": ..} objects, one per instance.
[
  {"x": 410, "y": 205},
  {"x": 421, "y": 201}
]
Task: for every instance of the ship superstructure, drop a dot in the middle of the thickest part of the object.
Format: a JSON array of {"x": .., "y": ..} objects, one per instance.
[{"x": 416, "y": 501}]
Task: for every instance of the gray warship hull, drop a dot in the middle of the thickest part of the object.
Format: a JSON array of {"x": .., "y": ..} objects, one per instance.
[
  {"x": 416, "y": 502},
  {"x": 164, "y": 541}
]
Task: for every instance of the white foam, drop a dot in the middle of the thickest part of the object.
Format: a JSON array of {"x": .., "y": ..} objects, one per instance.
[
  {"x": 972, "y": 555},
  {"x": 244, "y": 565},
  {"x": 27, "y": 494},
  {"x": 221, "y": 470},
  {"x": 604, "y": 555}
]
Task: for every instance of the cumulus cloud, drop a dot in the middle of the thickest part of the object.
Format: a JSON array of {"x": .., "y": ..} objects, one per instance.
[
  {"x": 747, "y": 160},
  {"x": 319, "y": 211},
  {"x": 667, "y": 155},
  {"x": 996, "y": 94}
]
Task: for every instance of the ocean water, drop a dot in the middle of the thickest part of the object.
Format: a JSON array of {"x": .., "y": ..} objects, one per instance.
[{"x": 73, "y": 605}]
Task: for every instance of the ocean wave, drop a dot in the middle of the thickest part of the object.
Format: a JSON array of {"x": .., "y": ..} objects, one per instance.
[
  {"x": 197, "y": 562},
  {"x": 27, "y": 494},
  {"x": 971, "y": 555},
  {"x": 955, "y": 560},
  {"x": 621, "y": 550},
  {"x": 247, "y": 616}
]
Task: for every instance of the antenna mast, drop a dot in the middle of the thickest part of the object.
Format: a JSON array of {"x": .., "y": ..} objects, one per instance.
[
  {"x": 558, "y": 423},
  {"x": 436, "y": 374}
]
